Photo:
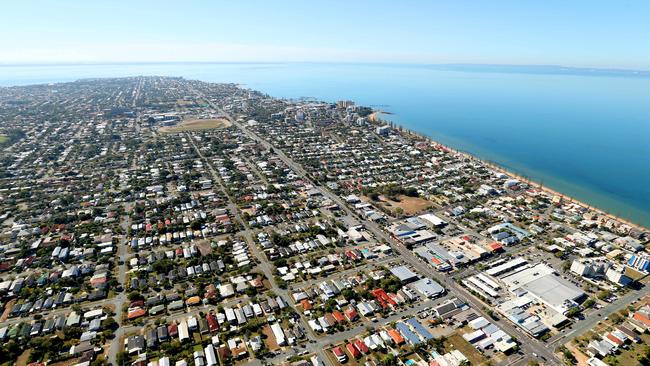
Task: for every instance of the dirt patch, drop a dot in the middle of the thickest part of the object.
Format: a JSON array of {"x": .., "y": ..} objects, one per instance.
[
  {"x": 8, "y": 307},
  {"x": 196, "y": 125},
  {"x": 412, "y": 205},
  {"x": 580, "y": 357},
  {"x": 408, "y": 205},
  {"x": 636, "y": 275},
  {"x": 204, "y": 247},
  {"x": 271, "y": 344},
  {"x": 22, "y": 359},
  {"x": 249, "y": 210}
]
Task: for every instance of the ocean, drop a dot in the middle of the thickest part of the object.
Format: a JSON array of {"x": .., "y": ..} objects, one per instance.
[{"x": 581, "y": 132}]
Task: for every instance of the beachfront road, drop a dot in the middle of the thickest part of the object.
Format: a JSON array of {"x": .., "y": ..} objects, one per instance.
[{"x": 527, "y": 344}]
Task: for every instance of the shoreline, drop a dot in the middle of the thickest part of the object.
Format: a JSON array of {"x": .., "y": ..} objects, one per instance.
[
  {"x": 374, "y": 116},
  {"x": 501, "y": 169}
]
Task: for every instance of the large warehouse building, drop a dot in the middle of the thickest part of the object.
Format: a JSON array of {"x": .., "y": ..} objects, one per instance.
[{"x": 541, "y": 282}]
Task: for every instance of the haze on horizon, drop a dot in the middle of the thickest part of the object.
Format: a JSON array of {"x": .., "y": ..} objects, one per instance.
[{"x": 576, "y": 33}]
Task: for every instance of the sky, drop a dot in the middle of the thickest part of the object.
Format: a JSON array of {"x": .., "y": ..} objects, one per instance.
[{"x": 593, "y": 33}]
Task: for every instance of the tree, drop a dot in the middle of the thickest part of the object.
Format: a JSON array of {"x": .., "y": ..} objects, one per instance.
[
  {"x": 569, "y": 358},
  {"x": 616, "y": 318},
  {"x": 99, "y": 361},
  {"x": 566, "y": 265},
  {"x": 644, "y": 356},
  {"x": 573, "y": 312},
  {"x": 348, "y": 294},
  {"x": 438, "y": 344},
  {"x": 250, "y": 291},
  {"x": 411, "y": 192},
  {"x": 389, "y": 360},
  {"x": 71, "y": 333},
  {"x": 121, "y": 358},
  {"x": 9, "y": 351},
  {"x": 109, "y": 323},
  {"x": 172, "y": 348},
  {"x": 135, "y": 296},
  {"x": 602, "y": 295}
]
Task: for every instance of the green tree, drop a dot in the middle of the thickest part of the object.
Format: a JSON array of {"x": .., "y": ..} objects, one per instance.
[
  {"x": 122, "y": 358},
  {"x": 389, "y": 360},
  {"x": 135, "y": 296}
]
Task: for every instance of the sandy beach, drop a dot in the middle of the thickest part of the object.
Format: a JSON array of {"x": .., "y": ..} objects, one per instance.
[
  {"x": 374, "y": 116},
  {"x": 528, "y": 181}
]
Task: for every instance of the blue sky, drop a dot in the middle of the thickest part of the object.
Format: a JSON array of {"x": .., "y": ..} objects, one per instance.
[{"x": 595, "y": 33}]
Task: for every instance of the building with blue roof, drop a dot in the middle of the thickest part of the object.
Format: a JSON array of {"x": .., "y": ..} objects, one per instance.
[
  {"x": 408, "y": 334},
  {"x": 422, "y": 331}
]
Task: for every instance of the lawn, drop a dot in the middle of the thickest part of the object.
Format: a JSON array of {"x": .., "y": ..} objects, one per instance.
[
  {"x": 196, "y": 125},
  {"x": 456, "y": 341}
]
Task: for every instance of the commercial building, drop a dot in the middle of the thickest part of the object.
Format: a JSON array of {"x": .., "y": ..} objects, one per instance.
[{"x": 541, "y": 282}]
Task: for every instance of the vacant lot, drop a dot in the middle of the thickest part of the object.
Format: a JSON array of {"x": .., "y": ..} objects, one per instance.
[
  {"x": 408, "y": 205},
  {"x": 412, "y": 205},
  {"x": 271, "y": 344},
  {"x": 635, "y": 275},
  {"x": 196, "y": 125},
  {"x": 456, "y": 341},
  {"x": 8, "y": 308},
  {"x": 204, "y": 247}
]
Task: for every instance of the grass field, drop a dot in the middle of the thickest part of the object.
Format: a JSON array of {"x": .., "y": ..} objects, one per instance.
[
  {"x": 456, "y": 341},
  {"x": 3, "y": 139},
  {"x": 196, "y": 125},
  {"x": 409, "y": 205}
]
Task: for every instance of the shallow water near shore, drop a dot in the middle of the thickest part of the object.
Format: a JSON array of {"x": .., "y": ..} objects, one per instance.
[{"x": 585, "y": 135}]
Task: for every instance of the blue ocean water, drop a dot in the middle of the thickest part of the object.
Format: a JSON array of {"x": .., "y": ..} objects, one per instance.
[{"x": 582, "y": 133}]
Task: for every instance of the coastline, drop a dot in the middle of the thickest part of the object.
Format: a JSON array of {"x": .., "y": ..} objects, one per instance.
[
  {"x": 564, "y": 197},
  {"x": 374, "y": 116},
  {"x": 500, "y": 169}
]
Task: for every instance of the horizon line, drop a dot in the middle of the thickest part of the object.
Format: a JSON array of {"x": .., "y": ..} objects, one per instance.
[{"x": 449, "y": 64}]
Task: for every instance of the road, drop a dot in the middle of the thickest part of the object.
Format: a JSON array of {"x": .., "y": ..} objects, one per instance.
[
  {"x": 528, "y": 344},
  {"x": 263, "y": 263},
  {"x": 120, "y": 299},
  {"x": 117, "y": 302},
  {"x": 590, "y": 321}
]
